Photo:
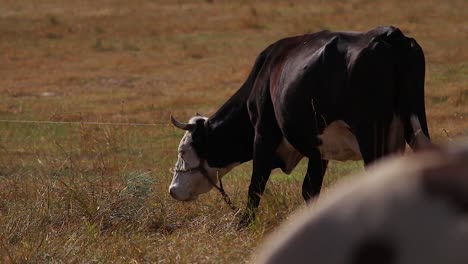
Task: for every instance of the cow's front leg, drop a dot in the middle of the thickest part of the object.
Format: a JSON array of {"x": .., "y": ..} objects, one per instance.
[
  {"x": 256, "y": 189},
  {"x": 264, "y": 160},
  {"x": 314, "y": 177}
]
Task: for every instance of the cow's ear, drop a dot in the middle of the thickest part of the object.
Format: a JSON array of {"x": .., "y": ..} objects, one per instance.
[
  {"x": 199, "y": 130},
  {"x": 199, "y": 137},
  {"x": 200, "y": 123}
]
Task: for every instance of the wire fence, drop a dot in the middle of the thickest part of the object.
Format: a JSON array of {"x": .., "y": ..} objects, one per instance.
[
  {"x": 38, "y": 140},
  {"x": 82, "y": 123}
]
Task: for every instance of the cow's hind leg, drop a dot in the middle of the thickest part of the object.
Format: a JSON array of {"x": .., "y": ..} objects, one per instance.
[
  {"x": 373, "y": 140},
  {"x": 314, "y": 176}
]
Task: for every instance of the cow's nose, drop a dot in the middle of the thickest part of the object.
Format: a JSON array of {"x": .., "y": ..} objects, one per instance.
[{"x": 171, "y": 192}]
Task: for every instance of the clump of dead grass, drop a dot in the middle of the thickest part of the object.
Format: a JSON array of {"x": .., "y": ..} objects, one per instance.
[{"x": 84, "y": 202}]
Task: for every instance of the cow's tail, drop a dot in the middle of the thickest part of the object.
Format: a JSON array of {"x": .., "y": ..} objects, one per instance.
[
  {"x": 409, "y": 103},
  {"x": 416, "y": 131},
  {"x": 417, "y": 138}
]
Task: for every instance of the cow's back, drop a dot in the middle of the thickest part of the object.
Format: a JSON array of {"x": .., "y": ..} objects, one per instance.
[
  {"x": 320, "y": 78},
  {"x": 298, "y": 73}
]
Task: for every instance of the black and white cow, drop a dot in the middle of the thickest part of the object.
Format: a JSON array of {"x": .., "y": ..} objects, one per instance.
[
  {"x": 402, "y": 210},
  {"x": 324, "y": 96}
]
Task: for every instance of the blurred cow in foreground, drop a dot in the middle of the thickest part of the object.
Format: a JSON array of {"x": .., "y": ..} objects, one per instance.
[{"x": 411, "y": 209}]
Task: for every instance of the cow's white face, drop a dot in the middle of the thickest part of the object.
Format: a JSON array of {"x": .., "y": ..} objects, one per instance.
[{"x": 188, "y": 181}]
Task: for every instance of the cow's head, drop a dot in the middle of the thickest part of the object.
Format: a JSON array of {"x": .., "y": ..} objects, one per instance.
[{"x": 192, "y": 172}]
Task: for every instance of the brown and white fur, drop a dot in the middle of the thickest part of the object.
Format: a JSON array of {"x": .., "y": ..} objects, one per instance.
[{"x": 404, "y": 210}]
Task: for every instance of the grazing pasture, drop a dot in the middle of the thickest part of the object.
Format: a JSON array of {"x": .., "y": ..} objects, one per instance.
[{"x": 72, "y": 192}]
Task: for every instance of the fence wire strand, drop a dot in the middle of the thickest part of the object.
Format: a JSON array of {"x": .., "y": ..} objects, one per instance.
[{"x": 81, "y": 123}]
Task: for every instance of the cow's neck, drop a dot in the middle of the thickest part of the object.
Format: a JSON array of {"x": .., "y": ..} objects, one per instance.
[{"x": 230, "y": 133}]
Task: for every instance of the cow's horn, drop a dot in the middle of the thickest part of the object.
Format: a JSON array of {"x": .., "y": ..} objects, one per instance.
[{"x": 184, "y": 126}]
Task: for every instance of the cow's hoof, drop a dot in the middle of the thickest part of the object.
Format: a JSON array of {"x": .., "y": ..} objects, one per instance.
[{"x": 245, "y": 220}]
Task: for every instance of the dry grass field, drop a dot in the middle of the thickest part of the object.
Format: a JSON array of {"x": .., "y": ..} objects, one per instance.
[{"x": 72, "y": 193}]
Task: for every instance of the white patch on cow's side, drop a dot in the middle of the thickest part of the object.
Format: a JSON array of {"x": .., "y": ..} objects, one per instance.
[
  {"x": 188, "y": 182},
  {"x": 289, "y": 155},
  {"x": 339, "y": 143}
]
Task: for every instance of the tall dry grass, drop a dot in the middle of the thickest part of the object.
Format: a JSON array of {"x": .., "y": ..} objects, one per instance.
[{"x": 81, "y": 194}]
